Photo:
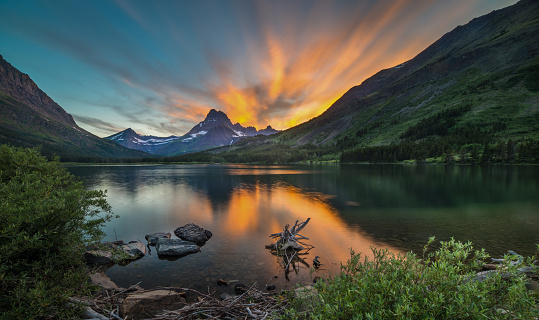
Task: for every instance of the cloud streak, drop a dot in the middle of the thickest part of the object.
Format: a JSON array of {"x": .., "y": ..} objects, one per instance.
[{"x": 261, "y": 62}]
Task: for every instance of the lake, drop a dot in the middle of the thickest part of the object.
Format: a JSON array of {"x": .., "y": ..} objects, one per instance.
[{"x": 397, "y": 207}]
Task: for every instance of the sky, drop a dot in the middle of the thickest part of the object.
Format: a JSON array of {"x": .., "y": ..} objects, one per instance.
[{"x": 158, "y": 67}]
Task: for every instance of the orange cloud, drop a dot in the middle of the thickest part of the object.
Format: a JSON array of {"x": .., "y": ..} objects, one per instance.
[{"x": 299, "y": 65}]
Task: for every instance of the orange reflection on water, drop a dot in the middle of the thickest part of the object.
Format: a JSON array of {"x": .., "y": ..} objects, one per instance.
[{"x": 266, "y": 210}]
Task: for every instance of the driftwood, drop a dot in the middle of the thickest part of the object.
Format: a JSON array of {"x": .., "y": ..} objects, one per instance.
[
  {"x": 289, "y": 244},
  {"x": 252, "y": 304}
]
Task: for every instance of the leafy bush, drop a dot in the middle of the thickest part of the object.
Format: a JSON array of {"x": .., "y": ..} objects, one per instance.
[
  {"x": 439, "y": 286},
  {"x": 46, "y": 218}
]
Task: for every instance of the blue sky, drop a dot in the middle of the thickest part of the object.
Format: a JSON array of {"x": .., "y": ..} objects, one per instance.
[{"x": 160, "y": 66}]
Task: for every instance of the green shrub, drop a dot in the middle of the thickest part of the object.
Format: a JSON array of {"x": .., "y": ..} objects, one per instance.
[
  {"x": 46, "y": 218},
  {"x": 439, "y": 286}
]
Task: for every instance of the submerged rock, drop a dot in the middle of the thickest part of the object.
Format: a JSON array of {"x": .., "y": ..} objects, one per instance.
[
  {"x": 153, "y": 237},
  {"x": 240, "y": 288},
  {"x": 193, "y": 233},
  {"x": 175, "y": 247}
]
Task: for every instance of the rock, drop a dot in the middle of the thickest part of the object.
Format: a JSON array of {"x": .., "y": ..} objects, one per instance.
[
  {"x": 490, "y": 266},
  {"x": 240, "y": 288},
  {"x": 193, "y": 233},
  {"x": 102, "y": 280},
  {"x": 153, "y": 237},
  {"x": 532, "y": 285},
  {"x": 135, "y": 249},
  {"x": 175, "y": 247},
  {"x": 147, "y": 304},
  {"x": 271, "y": 287},
  {"x": 98, "y": 257},
  {"x": 222, "y": 282}
]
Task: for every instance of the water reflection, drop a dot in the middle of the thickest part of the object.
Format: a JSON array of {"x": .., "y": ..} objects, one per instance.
[{"x": 395, "y": 207}]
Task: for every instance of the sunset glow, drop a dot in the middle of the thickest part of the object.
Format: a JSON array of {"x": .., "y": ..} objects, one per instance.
[{"x": 160, "y": 67}]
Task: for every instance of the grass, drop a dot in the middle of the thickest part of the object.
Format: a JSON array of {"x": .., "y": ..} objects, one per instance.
[{"x": 439, "y": 285}]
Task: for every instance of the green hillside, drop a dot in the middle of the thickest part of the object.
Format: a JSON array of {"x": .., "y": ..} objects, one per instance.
[{"x": 476, "y": 89}]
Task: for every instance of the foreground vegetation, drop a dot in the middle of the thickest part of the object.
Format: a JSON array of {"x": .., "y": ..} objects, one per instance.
[
  {"x": 46, "y": 218},
  {"x": 440, "y": 285}
]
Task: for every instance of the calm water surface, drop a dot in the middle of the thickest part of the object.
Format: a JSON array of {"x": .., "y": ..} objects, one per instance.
[{"x": 388, "y": 206}]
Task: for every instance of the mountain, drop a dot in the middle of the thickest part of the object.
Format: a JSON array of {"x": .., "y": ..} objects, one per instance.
[
  {"x": 490, "y": 66},
  {"x": 30, "y": 118},
  {"x": 132, "y": 140},
  {"x": 215, "y": 131},
  {"x": 471, "y": 96}
]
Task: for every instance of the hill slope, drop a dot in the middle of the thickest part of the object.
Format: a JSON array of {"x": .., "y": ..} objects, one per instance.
[
  {"x": 30, "y": 118},
  {"x": 475, "y": 87},
  {"x": 490, "y": 64}
]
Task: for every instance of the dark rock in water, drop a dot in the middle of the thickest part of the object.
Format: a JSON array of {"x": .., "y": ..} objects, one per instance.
[
  {"x": 98, "y": 257},
  {"x": 222, "y": 282},
  {"x": 135, "y": 249},
  {"x": 175, "y": 247},
  {"x": 192, "y": 232},
  {"x": 240, "y": 288},
  {"x": 271, "y": 287},
  {"x": 153, "y": 237}
]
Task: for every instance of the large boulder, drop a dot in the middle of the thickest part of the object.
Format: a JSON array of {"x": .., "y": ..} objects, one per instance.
[
  {"x": 147, "y": 304},
  {"x": 153, "y": 237},
  {"x": 193, "y": 233},
  {"x": 175, "y": 247}
]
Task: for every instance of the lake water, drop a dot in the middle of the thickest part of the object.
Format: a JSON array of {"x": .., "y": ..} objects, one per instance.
[{"x": 351, "y": 206}]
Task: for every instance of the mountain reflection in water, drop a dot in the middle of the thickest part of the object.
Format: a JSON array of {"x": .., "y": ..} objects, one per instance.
[{"x": 394, "y": 207}]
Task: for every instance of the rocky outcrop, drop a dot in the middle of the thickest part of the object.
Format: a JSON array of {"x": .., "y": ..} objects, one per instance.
[
  {"x": 153, "y": 237},
  {"x": 20, "y": 87},
  {"x": 148, "y": 304},
  {"x": 175, "y": 247},
  {"x": 193, "y": 233}
]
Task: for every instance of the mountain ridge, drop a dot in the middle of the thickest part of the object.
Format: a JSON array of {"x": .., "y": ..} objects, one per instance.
[
  {"x": 30, "y": 118},
  {"x": 434, "y": 64},
  {"x": 474, "y": 90},
  {"x": 216, "y": 130}
]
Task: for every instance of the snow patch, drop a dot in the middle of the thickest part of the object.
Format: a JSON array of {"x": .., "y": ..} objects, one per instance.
[
  {"x": 153, "y": 141},
  {"x": 194, "y": 135},
  {"x": 116, "y": 137},
  {"x": 239, "y": 134}
]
